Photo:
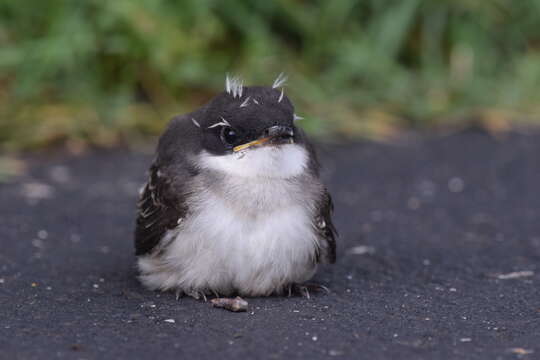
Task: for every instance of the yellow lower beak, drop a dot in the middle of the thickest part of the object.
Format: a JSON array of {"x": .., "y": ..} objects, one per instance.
[{"x": 251, "y": 143}]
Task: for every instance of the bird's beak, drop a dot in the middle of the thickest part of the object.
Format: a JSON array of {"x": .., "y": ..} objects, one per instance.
[{"x": 274, "y": 135}]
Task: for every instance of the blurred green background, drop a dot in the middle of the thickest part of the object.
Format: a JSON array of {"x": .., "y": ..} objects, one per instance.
[{"x": 108, "y": 72}]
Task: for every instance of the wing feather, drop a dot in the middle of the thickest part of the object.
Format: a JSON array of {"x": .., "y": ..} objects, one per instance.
[
  {"x": 161, "y": 207},
  {"x": 326, "y": 230}
]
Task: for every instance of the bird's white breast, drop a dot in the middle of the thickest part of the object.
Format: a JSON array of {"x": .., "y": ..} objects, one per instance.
[{"x": 251, "y": 234}]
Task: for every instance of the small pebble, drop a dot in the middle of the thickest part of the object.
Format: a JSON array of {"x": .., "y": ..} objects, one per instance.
[
  {"x": 171, "y": 321},
  {"x": 361, "y": 250},
  {"x": 520, "y": 351},
  {"x": 34, "y": 192},
  {"x": 456, "y": 185},
  {"x": 515, "y": 275},
  {"x": 60, "y": 174},
  {"x": 37, "y": 243},
  {"x": 413, "y": 203},
  {"x": 333, "y": 352}
]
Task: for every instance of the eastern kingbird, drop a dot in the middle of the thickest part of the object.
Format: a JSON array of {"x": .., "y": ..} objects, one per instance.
[{"x": 234, "y": 203}]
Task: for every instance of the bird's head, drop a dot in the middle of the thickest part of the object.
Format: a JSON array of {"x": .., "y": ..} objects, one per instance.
[{"x": 250, "y": 131}]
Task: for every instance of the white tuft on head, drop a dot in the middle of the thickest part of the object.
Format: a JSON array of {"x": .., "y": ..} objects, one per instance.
[
  {"x": 223, "y": 122},
  {"x": 280, "y": 81},
  {"x": 246, "y": 102},
  {"x": 296, "y": 117},
  {"x": 195, "y": 122},
  {"x": 280, "y": 96},
  {"x": 234, "y": 86},
  {"x": 281, "y": 162}
]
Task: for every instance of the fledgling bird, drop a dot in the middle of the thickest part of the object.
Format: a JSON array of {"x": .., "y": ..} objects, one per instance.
[{"x": 234, "y": 203}]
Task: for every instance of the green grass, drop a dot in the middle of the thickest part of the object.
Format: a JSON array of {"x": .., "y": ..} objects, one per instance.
[{"x": 103, "y": 72}]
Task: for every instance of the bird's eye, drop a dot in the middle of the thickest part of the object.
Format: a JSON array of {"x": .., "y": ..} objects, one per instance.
[{"x": 228, "y": 135}]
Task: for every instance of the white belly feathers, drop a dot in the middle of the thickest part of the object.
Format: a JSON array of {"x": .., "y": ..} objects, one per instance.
[{"x": 251, "y": 234}]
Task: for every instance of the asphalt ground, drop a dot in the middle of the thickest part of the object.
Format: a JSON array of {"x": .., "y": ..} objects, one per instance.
[{"x": 438, "y": 258}]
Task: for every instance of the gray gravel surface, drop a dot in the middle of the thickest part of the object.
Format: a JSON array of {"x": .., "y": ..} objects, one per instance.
[{"x": 438, "y": 259}]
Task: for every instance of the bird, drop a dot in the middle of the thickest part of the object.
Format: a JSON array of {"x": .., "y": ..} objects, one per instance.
[{"x": 234, "y": 203}]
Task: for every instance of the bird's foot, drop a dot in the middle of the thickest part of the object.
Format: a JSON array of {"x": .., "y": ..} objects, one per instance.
[
  {"x": 304, "y": 289},
  {"x": 197, "y": 295}
]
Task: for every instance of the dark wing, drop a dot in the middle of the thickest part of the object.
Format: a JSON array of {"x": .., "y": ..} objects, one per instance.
[
  {"x": 161, "y": 207},
  {"x": 327, "y": 232}
]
